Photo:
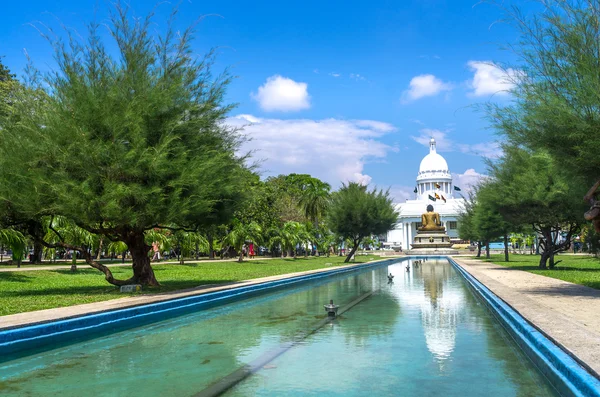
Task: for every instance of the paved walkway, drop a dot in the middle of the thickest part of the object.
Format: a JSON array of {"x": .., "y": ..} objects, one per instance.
[{"x": 567, "y": 313}]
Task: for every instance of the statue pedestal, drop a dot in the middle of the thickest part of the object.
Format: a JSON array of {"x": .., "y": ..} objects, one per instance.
[{"x": 431, "y": 242}]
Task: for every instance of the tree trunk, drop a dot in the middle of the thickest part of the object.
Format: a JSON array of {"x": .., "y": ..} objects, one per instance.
[
  {"x": 241, "y": 258},
  {"x": 123, "y": 256},
  {"x": 545, "y": 246},
  {"x": 36, "y": 230},
  {"x": 550, "y": 249},
  {"x": 142, "y": 269},
  {"x": 543, "y": 260},
  {"x": 100, "y": 248},
  {"x": 74, "y": 262},
  {"x": 505, "y": 248},
  {"x": 38, "y": 250},
  {"x": 352, "y": 251},
  {"x": 211, "y": 247},
  {"x": 487, "y": 250},
  {"x": 479, "y": 249}
]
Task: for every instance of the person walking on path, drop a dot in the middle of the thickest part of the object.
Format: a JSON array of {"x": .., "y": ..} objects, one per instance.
[
  {"x": 251, "y": 250},
  {"x": 156, "y": 249}
]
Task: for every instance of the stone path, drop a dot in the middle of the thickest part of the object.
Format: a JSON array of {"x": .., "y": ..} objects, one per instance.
[{"x": 567, "y": 313}]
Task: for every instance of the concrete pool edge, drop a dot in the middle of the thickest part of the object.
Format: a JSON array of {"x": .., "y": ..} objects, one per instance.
[
  {"x": 43, "y": 333},
  {"x": 562, "y": 370}
]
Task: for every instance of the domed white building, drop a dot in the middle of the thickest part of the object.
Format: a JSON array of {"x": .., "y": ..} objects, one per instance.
[{"x": 433, "y": 181}]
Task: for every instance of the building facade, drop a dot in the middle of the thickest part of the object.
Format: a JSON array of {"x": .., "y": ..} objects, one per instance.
[{"x": 433, "y": 181}]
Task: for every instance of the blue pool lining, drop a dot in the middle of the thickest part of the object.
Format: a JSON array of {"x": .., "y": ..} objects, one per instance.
[
  {"x": 54, "y": 332},
  {"x": 565, "y": 374}
]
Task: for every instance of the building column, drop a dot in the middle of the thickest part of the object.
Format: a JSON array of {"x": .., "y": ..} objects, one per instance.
[{"x": 409, "y": 233}]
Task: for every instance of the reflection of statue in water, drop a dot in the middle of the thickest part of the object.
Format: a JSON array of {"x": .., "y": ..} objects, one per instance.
[{"x": 431, "y": 220}]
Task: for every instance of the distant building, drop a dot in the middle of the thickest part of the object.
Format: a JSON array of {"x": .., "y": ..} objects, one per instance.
[{"x": 433, "y": 179}]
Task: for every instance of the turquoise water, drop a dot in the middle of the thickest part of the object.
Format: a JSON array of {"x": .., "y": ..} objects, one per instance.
[{"x": 423, "y": 335}]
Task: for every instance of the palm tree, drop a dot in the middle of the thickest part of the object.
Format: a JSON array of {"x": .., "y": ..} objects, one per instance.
[
  {"x": 117, "y": 247},
  {"x": 314, "y": 201},
  {"x": 187, "y": 242},
  {"x": 60, "y": 228},
  {"x": 292, "y": 233},
  {"x": 16, "y": 241},
  {"x": 241, "y": 233}
]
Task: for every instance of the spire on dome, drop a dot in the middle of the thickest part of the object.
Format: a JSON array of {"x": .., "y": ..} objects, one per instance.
[{"x": 432, "y": 145}]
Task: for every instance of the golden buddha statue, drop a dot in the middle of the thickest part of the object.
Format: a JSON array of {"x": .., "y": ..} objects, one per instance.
[{"x": 431, "y": 221}]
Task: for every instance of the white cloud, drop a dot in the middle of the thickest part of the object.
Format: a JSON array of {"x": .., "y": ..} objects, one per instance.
[
  {"x": 333, "y": 150},
  {"x": 357, "y": 77},
  {"x": 442, "y": 143},
  {"x": 283, "y": 94},
  {"x": 401, "y": 193},
  {"x": 490, "y": 150},
  {"x": 424, "y": 85},
  {"x": 489, "y": 79},
  {"x": 335, "y": 74},
  {"x": 467, "y": 180}
]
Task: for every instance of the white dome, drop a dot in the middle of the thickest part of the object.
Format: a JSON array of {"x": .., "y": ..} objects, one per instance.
[{"x": 433, "y": 161}]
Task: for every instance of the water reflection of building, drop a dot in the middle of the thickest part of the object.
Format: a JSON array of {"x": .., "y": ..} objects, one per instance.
[{"x": 440, "y": 303}]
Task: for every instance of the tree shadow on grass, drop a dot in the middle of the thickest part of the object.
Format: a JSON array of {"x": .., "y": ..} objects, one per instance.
[
  {"x": 167, "y": 286},
  {"x": 92, "y": 271},
  {"x": 66, "y": 291},
  {"x": 14, "y": 277},
  {"x": 557, "y": 269}
]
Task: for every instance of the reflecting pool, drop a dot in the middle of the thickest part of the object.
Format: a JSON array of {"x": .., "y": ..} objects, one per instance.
[{"x": 424, "y": 334}]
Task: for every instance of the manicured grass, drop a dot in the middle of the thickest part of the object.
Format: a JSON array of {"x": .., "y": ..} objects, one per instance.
[
  {"x": 583, "y": 270},
  {"x": 45, "y": 289},
  {"x": 67, "y": 262}
]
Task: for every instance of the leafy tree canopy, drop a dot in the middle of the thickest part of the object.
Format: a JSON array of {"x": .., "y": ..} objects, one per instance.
[
  {"x": 557, "y": 90},
  {"x": 355, "y": 213},
  {"x": 123, "y": 144}
]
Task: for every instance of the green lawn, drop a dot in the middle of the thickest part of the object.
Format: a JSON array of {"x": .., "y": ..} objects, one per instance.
[
  {"x": 45, "y": 289},
  {"x": 67, "y": 262},
  {"x": 584, "y": 270}
]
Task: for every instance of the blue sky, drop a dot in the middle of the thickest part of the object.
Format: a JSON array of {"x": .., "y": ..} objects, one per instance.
[{"x": 343, "y": 90}]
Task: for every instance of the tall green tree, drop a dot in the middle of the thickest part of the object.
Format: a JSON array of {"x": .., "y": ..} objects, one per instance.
[
  {"x": 557, "y": 91},
  {"x": 124, "y": 143},
  {"x": 241, "y": 233},
  {"x": 8, "y": 85},
  {"x": 531, "y": 189},
  {"x": 466, "y": 222},
  {"x": 356, "y": 213},
  {"x": 488, "y": 222}
]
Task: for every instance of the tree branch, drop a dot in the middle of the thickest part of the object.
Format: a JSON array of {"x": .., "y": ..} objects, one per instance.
[{"x": 89, "y": 260}]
